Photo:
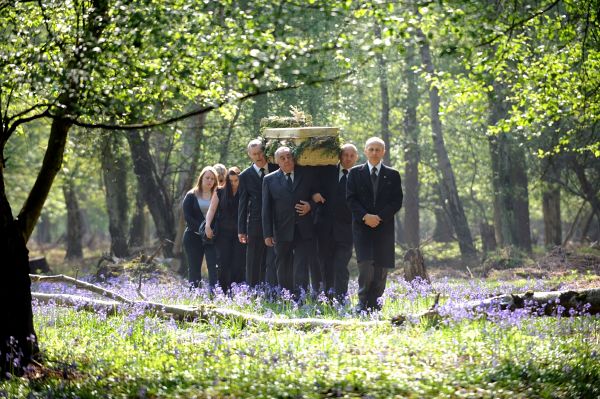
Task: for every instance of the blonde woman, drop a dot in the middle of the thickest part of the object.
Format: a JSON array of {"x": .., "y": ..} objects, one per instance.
[
  {"x": 231, "y": 253},
  {"x": 195, "y": 208}
]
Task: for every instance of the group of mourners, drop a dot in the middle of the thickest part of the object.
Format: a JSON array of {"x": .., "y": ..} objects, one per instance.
[{"x": 292, "y": 227}]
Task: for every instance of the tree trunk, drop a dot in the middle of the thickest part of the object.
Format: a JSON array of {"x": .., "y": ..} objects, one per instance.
[
  {"x": 43, "y": 230},
  {"x": 385, "y": 98},
  {"x": 399, "y": 229},
  {"x": 15, "y": 286},
  {"x": 488, "y": 237},
  {"x": 518, "y": 169},
  {"x": 154, "y": 193},
  {"x": 590, "y": 194},
  {"x": 509, "y": 180},
  {"x": 551, "y": 208},
  {"x": 137, "y": 229},
  {"x": 74, "y": 230},
  {"x": 259, "y": 111},
  {"x": 411, "y": 153},
  {"x": 225, "y": 145},
  {"x": 449, "y": 191},
  {"x": 443, "y": 228},
  {"x": 53, "y": 158},
  {"x": 586, "y": 228},
  {"x": 114, "y": 172},
  {"x": 17, "y": 334}
]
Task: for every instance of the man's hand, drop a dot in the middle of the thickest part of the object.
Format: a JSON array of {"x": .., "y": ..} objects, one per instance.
[
  {"x": 372, "y": 220},
  {"x": 317, "y": 197},
  {"x": 303, "y": 207},
  {"x": 269, "y": 241},
  {"x": 243, "y": 238},
  {"x": 209, "y": 232}
]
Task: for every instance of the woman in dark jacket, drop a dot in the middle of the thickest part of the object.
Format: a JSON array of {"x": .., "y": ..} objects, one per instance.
[
  {"x": 231, "y": 254},
  {"x": 195, "y": 207}
]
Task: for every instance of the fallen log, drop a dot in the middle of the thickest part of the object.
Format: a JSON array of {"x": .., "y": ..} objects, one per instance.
[
  {"x": 193, "y": 313},
  {"x": 550, "y": 303},
  {"x": 177, "y": 312},
  {"x": 61, "y": 278}
]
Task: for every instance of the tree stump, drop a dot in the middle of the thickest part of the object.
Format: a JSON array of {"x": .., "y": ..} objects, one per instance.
[
  {"x": 414, "y": 265},
  {"x": 39, "y": 265}
]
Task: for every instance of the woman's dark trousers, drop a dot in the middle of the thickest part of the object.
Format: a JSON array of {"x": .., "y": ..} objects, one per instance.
[
  {"x": 231, "y": 255},
  {"x": 195, "y": 251}
]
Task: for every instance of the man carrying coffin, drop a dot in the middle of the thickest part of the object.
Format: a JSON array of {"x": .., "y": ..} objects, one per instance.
[
  {"x": 334, "y": 224},
  {"x": 258, "y": 261},
  {"x": 286, "y": 219}
]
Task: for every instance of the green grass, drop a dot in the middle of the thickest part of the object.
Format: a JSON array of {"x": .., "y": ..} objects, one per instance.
[{"x": 140, "y": 356}]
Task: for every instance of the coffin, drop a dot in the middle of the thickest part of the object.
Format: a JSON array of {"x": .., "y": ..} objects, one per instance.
[{"x": 311, "y": 145}]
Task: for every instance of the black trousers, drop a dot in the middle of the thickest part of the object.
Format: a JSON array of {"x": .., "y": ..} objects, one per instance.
[
  {"x": 271, "y": 268},
  {"x": 334, "y": 256},
  {"x": 371, "y": 284},
  {"x": 293, "y": 262},
  {"x": 317, "y": 275},
  {"x": 195, "y": 250},
  {"x": 231, "y": 257},
  {"x": 256, "y": 252}
]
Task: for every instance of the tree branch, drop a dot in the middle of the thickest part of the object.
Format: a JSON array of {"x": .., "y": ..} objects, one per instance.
[
  {"x": 205, "y": 109},
  {"x": 11, "y": 129},
  {"x": 520, "y": 22},
  {"x": 28, "y": 110}
]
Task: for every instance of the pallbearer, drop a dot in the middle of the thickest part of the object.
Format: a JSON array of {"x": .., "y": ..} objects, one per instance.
[
  {"x": 334, "y": 224},
  {"x": 249, "y": 218}
]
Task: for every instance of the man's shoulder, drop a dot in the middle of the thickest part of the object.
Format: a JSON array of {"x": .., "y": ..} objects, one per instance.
[
  {"x": 271, "y": 175},
  {"x": 357, "y": 168},
  {"x": 390, "y": 169},
  {"x": 246, "y": 171}
]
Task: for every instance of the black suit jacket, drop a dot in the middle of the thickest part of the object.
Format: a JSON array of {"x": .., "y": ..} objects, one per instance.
[
  {"x": 374, "y": 243},
  {"x": 279, "y": 217},
  {"x": 333, "y": 218},
  {"x": 250, "y": 205}
]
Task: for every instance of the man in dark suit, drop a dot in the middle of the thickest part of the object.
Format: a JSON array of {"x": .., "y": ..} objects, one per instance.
[
  {"x": 286, "y": 219},
  {"x": 259, "y": 259},
  {"x": 334, "y": 224},
  {"x": 374, "y": 195}
]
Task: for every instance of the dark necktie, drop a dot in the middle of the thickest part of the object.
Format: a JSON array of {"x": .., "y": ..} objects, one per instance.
[
  {"x": 374, "y": 176},
  {"x": 262, "y": 173},
  {"x": 344, "y": 177},
  {"x": 290, "y": 183},
  {"x": 374, "y": 182}
]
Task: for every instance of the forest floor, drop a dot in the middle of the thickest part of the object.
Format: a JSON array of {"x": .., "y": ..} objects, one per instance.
[
  {"x": 576, "y": 263},
  {"x": 579, "y": 265},
  {"x": 497, "y": 354}
]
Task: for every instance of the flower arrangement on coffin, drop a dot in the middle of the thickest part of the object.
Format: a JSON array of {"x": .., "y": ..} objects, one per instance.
[{"x": 310, "y": 145}]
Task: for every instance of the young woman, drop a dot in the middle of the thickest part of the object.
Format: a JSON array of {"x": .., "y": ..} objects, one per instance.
[
  {"x": 231, "y": 254},
  {"x": 195, "y": 208}
]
